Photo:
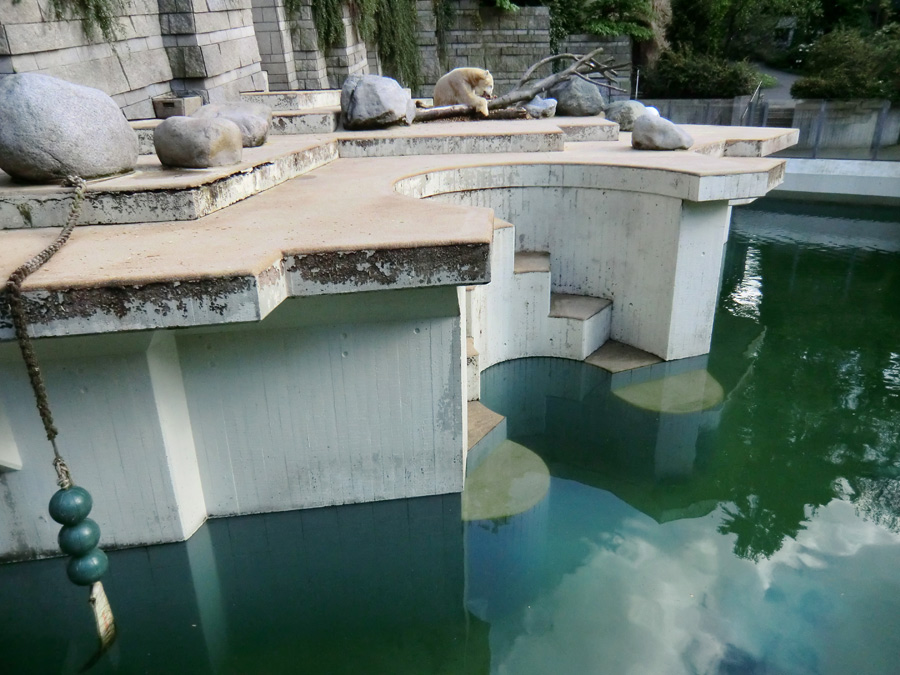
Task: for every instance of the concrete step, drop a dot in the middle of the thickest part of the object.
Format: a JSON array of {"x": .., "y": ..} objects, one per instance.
[
  {"x": 312, "y": 121},
  {"x": 294, "y": 100},
  {"x": 526, "y": 262},
  {"x": 579, "y": 324},
  {"x": 486, "y": 430}
]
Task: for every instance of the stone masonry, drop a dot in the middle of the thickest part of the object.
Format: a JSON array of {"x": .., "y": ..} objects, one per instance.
[
  {"x": 220, "y": 48},
  {"x": 132, "y": 70},
  {"x": 212, "y": 47}
]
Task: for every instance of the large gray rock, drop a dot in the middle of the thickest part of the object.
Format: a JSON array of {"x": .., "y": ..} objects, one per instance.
[
  {"x": 624, "y": 113},
  {"x": 541, "y": 107},
  {"x": 658, "y": 133},
  {"x": 253, "y": 119},
  {"x": 373, "y": 102},
  {"x": 196, "y": 143},
  {"x": 577, "y": 98},
  {"x": 51, "y": 128}
]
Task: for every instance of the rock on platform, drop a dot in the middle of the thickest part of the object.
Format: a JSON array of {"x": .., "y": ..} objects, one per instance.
[{"x": 50, "y": 128}]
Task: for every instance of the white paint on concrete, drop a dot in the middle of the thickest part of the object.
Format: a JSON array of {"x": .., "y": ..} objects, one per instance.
[
  {"x": 658, "y": 258},
  {"x": 113, "y": 436},
  {"x": 9, "y": 451},
  {"x": 335, "y": 402}
]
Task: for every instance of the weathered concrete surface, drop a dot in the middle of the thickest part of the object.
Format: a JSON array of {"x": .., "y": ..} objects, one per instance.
[{"x": 154, "y": 193}]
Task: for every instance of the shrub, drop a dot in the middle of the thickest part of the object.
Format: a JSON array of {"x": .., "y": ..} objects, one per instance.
[
  {"x": 846, "y": 65},
  {"x": 686, "y": 74}
]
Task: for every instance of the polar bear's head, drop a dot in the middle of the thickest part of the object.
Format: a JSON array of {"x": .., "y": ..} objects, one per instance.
[{"x": 483, "y": 84}]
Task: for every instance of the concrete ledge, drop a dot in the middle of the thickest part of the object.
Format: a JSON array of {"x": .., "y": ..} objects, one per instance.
[
  {"x": 153, "y": 193},
  {"x": 841, "y": 180}
]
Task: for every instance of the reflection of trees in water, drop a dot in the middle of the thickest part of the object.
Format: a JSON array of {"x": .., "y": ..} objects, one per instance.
[{"x": 817, "y": 409}]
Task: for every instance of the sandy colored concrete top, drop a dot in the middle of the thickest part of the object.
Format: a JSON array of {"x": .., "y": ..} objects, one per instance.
[{"x": 341, "y": 227}]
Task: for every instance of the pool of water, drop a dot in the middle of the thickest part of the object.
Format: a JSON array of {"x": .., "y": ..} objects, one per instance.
[{"x": 735, "y": 513}]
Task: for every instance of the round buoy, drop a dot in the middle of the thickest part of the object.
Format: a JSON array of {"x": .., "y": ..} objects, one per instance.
[
  {"x": 70, "y": 506},
  {"x": 88, "y": 568},
  {"x": 80, "y": 538}
]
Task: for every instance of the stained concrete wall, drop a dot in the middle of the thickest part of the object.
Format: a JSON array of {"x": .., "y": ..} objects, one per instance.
[{"x": 330, "y": 400}]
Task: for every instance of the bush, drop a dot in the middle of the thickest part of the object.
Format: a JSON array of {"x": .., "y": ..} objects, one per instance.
[
  {"x": 846, "y": 65},
  {"x": 685, "y": 74}
]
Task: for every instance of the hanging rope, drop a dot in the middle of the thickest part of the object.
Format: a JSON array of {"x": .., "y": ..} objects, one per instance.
[
  {"x": 14, "y": 298},
  {"x": 71, "y": 505}
]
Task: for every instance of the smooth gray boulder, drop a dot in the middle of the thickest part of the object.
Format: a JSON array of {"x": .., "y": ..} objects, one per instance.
[
  {"x": 541, "y": 107},
  {"x": 658, "y": 133},
  {"x": 577, "y": 98},
  {"x": 50, "y": 128},
  {"x": 196, "y": 143},
  {"x": 374, "y": 102},
  {"x": 253, "y": 119},
  {"x": 624, "y": 113}
]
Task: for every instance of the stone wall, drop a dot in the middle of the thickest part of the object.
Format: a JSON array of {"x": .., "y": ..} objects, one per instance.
[
  {"x": 617, "y": 48},
  {"x": 505, "y": 43},
  {"x": 132, "y": 70},
  {"x": 212, "y": 47},
  {"x": 204, "y": 46}
]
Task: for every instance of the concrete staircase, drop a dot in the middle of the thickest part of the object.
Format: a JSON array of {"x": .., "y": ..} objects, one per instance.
[
  {"x": 300, "y": 112},
  {"x": 519, "y": 314}
]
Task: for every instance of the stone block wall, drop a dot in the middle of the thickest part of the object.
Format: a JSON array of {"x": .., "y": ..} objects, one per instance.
[
  {"x": 273, "y": 38},
  {"x": 212, "y": 47},
  {"x": 506, "y": 43},
  {"x": 132, "y": 70},
  {"x": 617, "y": 48},
  {"x": 164, "y": 46}
]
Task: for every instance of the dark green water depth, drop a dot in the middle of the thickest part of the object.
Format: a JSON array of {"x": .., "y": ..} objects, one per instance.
[{"x": 758, "y": 535}]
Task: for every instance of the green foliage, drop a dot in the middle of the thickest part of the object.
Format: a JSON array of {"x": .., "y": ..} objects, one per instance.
[
  {"x": 687, "y": 74},
  {"x": 390, "y": 23},
  {"x": 599, "y": 17},
  {"x": 443, "y": 17},
  {"x": 845, "y": 64},
  {"x": 734, "y": 27}
]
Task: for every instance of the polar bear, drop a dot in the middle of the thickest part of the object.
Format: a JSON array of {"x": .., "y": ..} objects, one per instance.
[{"x": 465, "y": 85}]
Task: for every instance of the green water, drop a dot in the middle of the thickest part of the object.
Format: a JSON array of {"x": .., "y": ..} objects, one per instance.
[{"x": 760, "y": 535}]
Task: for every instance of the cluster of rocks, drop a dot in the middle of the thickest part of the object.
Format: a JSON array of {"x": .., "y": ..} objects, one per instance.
[
  {"x": 575, "y": 97},
  {"x": 214, "y": 135},
  {"x": 52, "y": 129}
]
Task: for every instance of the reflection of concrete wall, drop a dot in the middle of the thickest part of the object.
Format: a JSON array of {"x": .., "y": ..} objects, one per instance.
[{"x": 255, "y": 593}]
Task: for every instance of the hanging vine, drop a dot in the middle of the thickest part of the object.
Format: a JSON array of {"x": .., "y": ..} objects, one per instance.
[
  {"x": 96, "y": 16},
  {"x": 391, "y": 24},
  {"x": 443, "y": 18}
]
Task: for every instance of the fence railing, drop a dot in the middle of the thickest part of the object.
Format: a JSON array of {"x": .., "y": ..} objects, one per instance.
[{"x": 864, "y": 129}]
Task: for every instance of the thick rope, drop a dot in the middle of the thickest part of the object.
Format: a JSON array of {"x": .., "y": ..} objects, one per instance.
[{"x": 16, "y": 311}]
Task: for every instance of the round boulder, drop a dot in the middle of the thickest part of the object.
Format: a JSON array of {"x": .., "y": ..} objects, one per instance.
[
  {"x": 624, "y": 113},
  {"x": 541, "y": 107},
  {"x": 375, "y": 102},
  {"x": 577, "y": 98},
  {"x": 658, "y": 133},
  {"x": 50, "y": 128},
  {"x": 253, "y": 119},
  {"x": 194, "y": 143}
]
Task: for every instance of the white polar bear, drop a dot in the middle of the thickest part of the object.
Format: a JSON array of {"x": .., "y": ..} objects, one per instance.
[{"x": 471, "y": 86}]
